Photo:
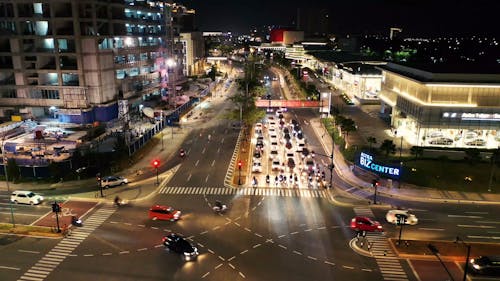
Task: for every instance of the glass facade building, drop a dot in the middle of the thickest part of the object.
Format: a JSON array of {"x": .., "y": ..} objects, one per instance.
[{"x": 446, "y": 109}]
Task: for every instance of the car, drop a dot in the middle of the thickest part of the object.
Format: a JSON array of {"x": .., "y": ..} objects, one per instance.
[
  {"x": 291, "y": 163},
  {"x": 256, "y": 167},
  {"x": 365, "y": 224},
  {"x": 487, "y": 265},
  {"x": 476, "y": 142},
  {"x": 258, "y": 132},
  {"x": 392, "y": 217},
  {"x": 111, "y": 181},
  {"x": 258, "y": 125},
  {"x": 272, "y": 124},
  {"x": 176, "y": 243},
  {"x": 435, "y": 134},
  {"x": 289, "y": 155},
  {"x": 279, "y": 112},
  {"x": 259, "y": 144},
  {"x": 165, "y": 213},
  {"x": 274, "y": 145},
  {"x": 273, "y": 154},
  {"x": 273, "y": 137},
  {"x": 470, "y": 135},
  {"x": 309, "y": 165},
  {"x": 257, "y": 154},
  {"x": 441, "y": 141},
  {"x": 301, "y": 147},
  {"x": 276, "y": 165},
  {"x": 272, "y": 131},
  {"x": 275, "y": 78},
  {"x": 25, "y": 197}
]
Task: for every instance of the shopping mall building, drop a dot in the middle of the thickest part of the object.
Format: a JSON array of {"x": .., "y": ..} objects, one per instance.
[{"x": 447, "y": 106}]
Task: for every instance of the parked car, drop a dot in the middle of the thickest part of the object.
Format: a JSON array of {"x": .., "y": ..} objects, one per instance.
[
  {"x": 441, "y": 141},
  {"x": 435, "y": 134},
  {"x": 365, "y": 224},
  {"x": 276, "y": 165},
  {"x": 159, "y": 212},
  {"x": 392, "y": 217},
  {"x": 256, "y": 167},
  {"x": 111, "y": 181},
  {"x": 25, "y": 197},
  {"x": 176, "y": 243},
  {"x": 259, "y": 144},
  {"x": 476, "y": 142}
]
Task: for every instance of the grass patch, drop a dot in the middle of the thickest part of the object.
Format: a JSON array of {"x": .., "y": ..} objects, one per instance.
[{"x": 28, "y": 230}]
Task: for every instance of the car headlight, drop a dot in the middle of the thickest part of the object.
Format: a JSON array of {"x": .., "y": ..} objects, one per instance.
[{"x": 476, "y": 266}]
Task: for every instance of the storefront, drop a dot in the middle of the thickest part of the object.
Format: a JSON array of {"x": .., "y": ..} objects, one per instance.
[{"x": 446, "y": 110}]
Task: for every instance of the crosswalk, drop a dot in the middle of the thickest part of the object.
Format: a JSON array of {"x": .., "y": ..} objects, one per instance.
[
  {"x": 283, "y": 192},
  {"x": 65, "y": 247},
  {"x": 387, "y": 261}
]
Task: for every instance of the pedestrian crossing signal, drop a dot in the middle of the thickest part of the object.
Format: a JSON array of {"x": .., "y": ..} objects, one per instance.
[
  {"x": 156, "y": 163},
  {"x": 240, "y": 164}
]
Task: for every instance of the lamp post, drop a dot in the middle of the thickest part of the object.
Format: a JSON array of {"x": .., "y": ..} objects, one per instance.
[
  {"x": 5, "y": 162},
  {"x": 239, "y": 172},
  {"x": 457, "y": 240},
  {"x": 156, "y": 164}
]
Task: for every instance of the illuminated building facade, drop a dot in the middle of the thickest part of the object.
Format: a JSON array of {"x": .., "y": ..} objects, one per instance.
[
  {"x": 436, "y": 106},
  {"x": 73, "y": 60}
]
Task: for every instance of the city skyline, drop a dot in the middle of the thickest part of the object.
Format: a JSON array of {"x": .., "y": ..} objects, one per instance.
[{"x": 447, "y": 17}]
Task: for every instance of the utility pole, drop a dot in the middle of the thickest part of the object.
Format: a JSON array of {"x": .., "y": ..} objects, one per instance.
[{"x": 7, "y": 182}]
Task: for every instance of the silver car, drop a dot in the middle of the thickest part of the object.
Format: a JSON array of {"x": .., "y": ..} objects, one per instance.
[
  {"x": 392, "y": 217},
  {"x": 111, "y": 181}
]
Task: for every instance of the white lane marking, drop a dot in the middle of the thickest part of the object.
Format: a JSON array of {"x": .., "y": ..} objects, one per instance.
[
  {"x": 477, "y": 213},
  {"x": 366, "y": 269},
  {"x": 159, "y": 245},
  {"x": 201, "y": 245},
  {"x": 204, "y": 232},
  {"x": 307, "y": 230},
  {"x": 295, "y": 232},
  {"x": 281, "y": 246},
  {"x": 322, "y": 227},
  {"x": 231, "y": 258},
  {"x": 221, "y": 258},
  {"x": 27, "y": 251},
  {"x": 213, "y": 163},
  {"x": 141, "y": 249},
  {"x": 257, "y": 245},
  {"x": 205, "y": 275},
  {"x": 243, "y": 252},
  {"x": 232, "y": 266},
  {"x": 197, "y": 162},
  {"x": 107, "y": 254},
  {"x": 215, "y": 228},
  {"x": 493, "y": 232},
  {"x": 206, "y": 179},
  {"x": 124, "y": 252},
  {"x": 296, "y": 252},
  {"x": 431, "y": 229},
  {"x": 248, "y": 229},
  {"x": 241, "y": 274},
  {"x": 462, "y": 216},
  {"x": 312, "y": 258},
  {"x": 211, "y": 252},
  {"x": 483, "y": 237},
  {"x": 189, "y": 177},
  {"x": 258, "y": 235},
  {"x": 347, "y": 267},
  {"x": 219, "y": 265},
  {"x": 474, "y": 226},
  {"x": 237, "y": 224},
  {"x": 281, "y": 236},
  {"x": 8, "y": 267},
  {"x": 330, "y": 263}
]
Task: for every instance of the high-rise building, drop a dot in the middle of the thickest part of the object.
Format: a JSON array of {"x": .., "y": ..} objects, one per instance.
[
  {"x": 314, "y": 21},
  {"x": 76, "y": 59}
]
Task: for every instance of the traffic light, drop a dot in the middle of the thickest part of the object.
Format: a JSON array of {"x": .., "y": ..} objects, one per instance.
[
  {"x": 56, "y": 208},
  {"x": 239, "y": 165},
  {"x": 156, "y": 163},
  {"x": 400, "y": 219},
  {"x": 375, "y": 183}
]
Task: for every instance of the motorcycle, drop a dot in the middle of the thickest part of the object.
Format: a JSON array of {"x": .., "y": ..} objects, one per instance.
[
  {"x": 120, "y": 202},
  {"x": 182, "y": 153},
  {"x": 219, "y": 207},
  {"x": 76, "y": 221}
]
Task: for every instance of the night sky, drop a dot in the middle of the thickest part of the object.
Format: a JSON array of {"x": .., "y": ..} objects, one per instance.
[{"x": 418, "y": 17}]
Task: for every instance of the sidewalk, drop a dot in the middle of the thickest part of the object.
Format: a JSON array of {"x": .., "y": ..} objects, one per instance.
[{"x": 406, "y": 191}]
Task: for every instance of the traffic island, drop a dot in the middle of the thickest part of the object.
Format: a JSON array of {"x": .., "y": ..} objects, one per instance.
[
  {"x": 448, "y": 250},
  {"x": 243, "y": 159}
]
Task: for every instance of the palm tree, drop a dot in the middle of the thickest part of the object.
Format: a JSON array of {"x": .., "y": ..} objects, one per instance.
[
  {"x": 388, "y": 147},
  {"x": 347, "y": 126},
  {"x": 371, "y": 141}
]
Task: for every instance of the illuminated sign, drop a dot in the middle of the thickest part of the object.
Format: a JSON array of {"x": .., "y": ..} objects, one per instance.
[
  {"x": 366, "y": 162},
  {"x": 473, "y": 116}
]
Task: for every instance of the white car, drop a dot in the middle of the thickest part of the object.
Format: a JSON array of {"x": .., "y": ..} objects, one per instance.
[
  {"x": 276, "y": 165},
  {"x": 273, "y": 154},
  {"x": 111, "y": 181},
  {"x": 392, "y": 217},
  {"x": 25, "y": 197},
  {"x": 256, "y": 167}
]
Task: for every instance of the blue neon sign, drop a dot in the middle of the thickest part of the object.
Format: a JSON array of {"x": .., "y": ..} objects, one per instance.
[{"x": 366, "y": 162}]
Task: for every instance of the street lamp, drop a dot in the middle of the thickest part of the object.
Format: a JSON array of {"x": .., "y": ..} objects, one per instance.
[
  {"x": 457, "y": 240},
  {"x": 156, "y": 164},
  {"x": 239, "y": 172}
]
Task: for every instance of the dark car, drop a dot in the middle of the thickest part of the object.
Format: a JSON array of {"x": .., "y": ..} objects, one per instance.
[
  {"x": 260, "y": 144},
  {"x": 257, "y": 154},
  {"x": 176, "y": 243},
  {"x": 487, "y": 265}
]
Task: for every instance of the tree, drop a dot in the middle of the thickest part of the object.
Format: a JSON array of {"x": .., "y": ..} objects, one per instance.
[
  {"x": 388, "y": 147},
  {"x": 13, "y": 169},
  {"x": 347, "y": 125},
  {"x": 371, "y": 141},
  {"x": 417, "y": 151}
]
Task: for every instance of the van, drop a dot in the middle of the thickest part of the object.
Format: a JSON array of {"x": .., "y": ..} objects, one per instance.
[
  {"x": 25, "y": 197},
  {"x": 488, "y": 265}
]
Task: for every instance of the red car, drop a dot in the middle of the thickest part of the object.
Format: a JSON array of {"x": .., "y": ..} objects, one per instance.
[
  {"x": 158, "y": 212},
  {"x": 365, "y": 224}
]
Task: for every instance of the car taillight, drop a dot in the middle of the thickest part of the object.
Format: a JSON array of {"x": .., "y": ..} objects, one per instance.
[{"x": 163, "y": 239}]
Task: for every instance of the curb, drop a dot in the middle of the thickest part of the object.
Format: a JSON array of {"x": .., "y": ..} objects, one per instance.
[{"x": 358, "y": 250}]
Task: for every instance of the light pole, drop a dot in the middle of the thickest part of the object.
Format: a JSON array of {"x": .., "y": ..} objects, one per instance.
[
  {"x": 457, "y": 240},
  {"x": 7, "y": 182},
  {"x": 239, "y": 172},
  {"x": 156, "y": 164}
]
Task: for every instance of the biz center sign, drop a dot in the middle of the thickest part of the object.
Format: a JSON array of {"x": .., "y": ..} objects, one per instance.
[{"x": 366, "y": 162}]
